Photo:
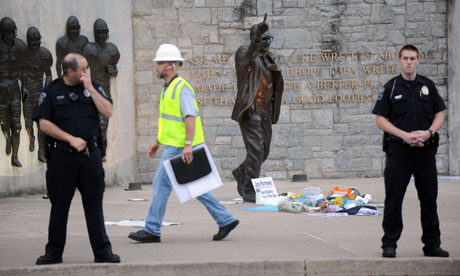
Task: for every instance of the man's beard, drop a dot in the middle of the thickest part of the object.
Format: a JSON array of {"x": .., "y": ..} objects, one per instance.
[{"x": 162, "y": 74}]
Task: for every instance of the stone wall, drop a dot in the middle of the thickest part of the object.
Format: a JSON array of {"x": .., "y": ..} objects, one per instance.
[
  {"x": 454, "y": 83},
  {"x": 335, "y": 57}
]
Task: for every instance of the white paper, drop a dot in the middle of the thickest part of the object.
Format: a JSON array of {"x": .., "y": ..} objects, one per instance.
[
  {"x": 198, "y": 187},
  {"x": 368, "y": 212},
  {"x": 138, "y": 223},
  {"x": 327, "y": 215},
  {"x": 230, "y": 202}
]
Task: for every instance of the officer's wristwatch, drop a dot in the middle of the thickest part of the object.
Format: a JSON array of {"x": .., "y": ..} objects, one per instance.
[
  {"x": 432, "y": 133},
  {"x": 188, "y": 142}
]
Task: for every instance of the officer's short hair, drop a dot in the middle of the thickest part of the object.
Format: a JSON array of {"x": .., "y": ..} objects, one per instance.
[
  {"x": 69, "y": 63},
  {"x": 409, "y": 47}
]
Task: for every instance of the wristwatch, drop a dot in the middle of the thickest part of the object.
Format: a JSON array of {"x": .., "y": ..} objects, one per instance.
[
  {"x": 432, "y": 133},
  {"x": 188, "y": 142}
]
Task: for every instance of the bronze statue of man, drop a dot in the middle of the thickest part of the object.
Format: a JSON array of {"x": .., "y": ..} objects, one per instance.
[
  {"x": 37, "y": 62},
  {"x": 72, "y": 42},
  {"x": 102, "y": 58},
  {"x": 11, "y": 52},
  {"x": 257, "y": 105}
]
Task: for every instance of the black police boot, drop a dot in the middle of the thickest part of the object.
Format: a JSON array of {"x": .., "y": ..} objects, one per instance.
[
  {"x": 225, "y": 230},
  {"x": 435, "y": 252},
  {"x": 143, "y": 236},
  {"x": 389, "y": 252},
  {"x": 109, "y": 258},
  {"x": 47, "y": 259}
]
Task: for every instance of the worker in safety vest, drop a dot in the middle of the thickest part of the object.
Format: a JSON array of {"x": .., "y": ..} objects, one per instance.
[{"x": 179, "y": 129}]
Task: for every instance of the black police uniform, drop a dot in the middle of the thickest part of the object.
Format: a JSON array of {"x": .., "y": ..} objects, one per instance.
[
  {"x": 410, "y": 106},
  {"x": 73, "y": 111}
]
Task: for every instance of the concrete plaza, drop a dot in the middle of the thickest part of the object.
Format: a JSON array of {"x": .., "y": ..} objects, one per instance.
[{"x": 265, "y": 243}]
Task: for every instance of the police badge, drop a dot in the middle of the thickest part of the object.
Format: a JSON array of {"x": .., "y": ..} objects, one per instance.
[{"x": 425, "y": 90}]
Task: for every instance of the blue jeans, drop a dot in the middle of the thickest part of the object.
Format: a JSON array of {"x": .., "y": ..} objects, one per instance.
[{"x": 162, "y": 189}]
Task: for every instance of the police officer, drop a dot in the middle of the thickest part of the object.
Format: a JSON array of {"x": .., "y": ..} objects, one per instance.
[
  {"x": 410, "y": 112},
  {"x": 68, "y": 112}
]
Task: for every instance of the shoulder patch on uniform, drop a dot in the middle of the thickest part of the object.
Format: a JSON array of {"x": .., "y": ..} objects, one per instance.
[
  {"x": 42, "y": 97},
  {"x": 102, "y": 91},
  {"x": 381, "y": 92}
]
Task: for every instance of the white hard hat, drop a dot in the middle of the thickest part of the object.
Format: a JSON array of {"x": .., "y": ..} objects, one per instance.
[{"x": 168, "y": 52}]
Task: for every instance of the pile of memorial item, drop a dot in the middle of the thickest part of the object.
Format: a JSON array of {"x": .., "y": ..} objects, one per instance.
[{"x": 314, "y": 200}]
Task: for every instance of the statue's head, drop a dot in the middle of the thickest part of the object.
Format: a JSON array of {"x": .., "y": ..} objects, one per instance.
[
  {"x": 73, "y": 28},
  {"x": 101, "y": 31},
  {"x": 266, "y": 38},
  {"x": 34, "y": 38},
  {"x": 8, "y": 30}
]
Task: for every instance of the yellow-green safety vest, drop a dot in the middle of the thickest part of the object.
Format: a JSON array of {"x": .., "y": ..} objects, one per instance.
[{"x": 171, "y": 122}]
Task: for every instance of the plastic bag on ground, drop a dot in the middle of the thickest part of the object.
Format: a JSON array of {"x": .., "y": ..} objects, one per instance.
[
  {"x": 287, "y": 204},
  {"x": 314, "y": 196}
]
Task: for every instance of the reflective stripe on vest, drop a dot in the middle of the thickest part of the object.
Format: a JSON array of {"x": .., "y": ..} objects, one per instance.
[
  {"x": 172, "y": 118},
  {"x": 171, "y": 123}
]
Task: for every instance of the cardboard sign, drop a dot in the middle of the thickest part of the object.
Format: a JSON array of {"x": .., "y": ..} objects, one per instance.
[{"x": 266, "y": 193}]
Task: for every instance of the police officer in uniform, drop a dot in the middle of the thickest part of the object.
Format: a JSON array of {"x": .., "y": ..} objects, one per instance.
[
  {"x": 410, "y": 112},
  {"x": 68, "y": 112}
]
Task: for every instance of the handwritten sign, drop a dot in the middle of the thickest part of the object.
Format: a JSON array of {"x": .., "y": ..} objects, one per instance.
[{"x": 266, "y": 193}]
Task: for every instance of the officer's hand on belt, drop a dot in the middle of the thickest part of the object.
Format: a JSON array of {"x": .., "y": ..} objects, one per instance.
[{"x": 78, "y": 143}]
